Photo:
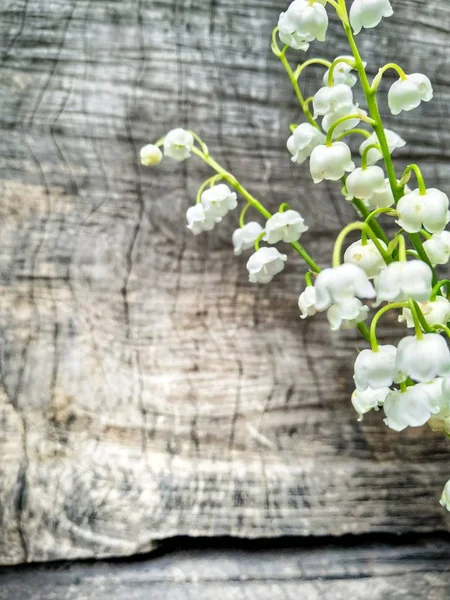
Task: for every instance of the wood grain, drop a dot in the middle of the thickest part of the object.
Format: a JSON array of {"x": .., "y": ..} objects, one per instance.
[{"x": 147, "y": 389}]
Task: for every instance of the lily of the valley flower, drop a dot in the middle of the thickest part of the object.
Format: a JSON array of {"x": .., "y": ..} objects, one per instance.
[
  {"x": 285, "y": 226},
  {"x": 407, "y": 93},
  {"x": 428, "y": 210},
  {"x": 374, "y": 155},
  {"x": 364, "y": 183},
  {"x": 342, "y": 72},
  {"x": 410, "y": 408},
  {"x": 264, "y": 264},
  {"x": 368, "y": 13},
  {"x": 445, "y": 498},
  {"x": 402, "y": 280},
  {"x": 381, "y": 198},
  {"x": 245, "y": 237},
  {"x": 347, "y": 315},
  {"x": 368, "y": 399},
  {"x": 435, "y": 312},
  {"x": 340, "y": 284},
  {"x": 423, "y": 359},
  {"x": 303, "y": 141},
  {"x": 377, "y": 369},
  {"x": 344, "y": 111},
  {"x": 198, "y": 220},
  {"x": 366, "y": 256},
  {"x": 331, "y": 162},
  {"x": 150, "y": 155},
  {"x": 178, "y": 144},
  {"x": 303, "y": 22},
  {"x": 218, "y": 200},
  {"x": 438, "y": 248},
  {"x": 329, "y": 99},
  {"x": 307, "y": 302}
]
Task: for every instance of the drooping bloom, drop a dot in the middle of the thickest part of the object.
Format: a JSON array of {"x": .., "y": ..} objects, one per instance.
[
  {"x": 445, "y": 498},
  {"x": 244, "y": 237},
  {"x": 438, "y": 248},
  {"x": 307, "y": 302},
  {"x": 366, "y": 256},
  {"x": 303, "y": 22},
  {"x": 381, "y": 198},
  {"x": 351, "y": 110},
  {"x": 218, "y": 200},
  {"x": 331, "y": 162},
  {"x": 178, "y": 144},
  {"x": 436, "y": 312},
  {"x": 429, "y": 210},
  {"x": 439, "y": 389},
  {"x": 340, "y": 284},
  {"x": 410, "y": 408},
  {"x": 423, "y": 359},
  {"x": 364, "y": 183},
  {"x": 198, "y": 220},
  {"x": 406, "y": 94},
  {"x": 285, "y": 226},
  {"x": 342, "y": 72},
  {"x": 374, "y": 155},
  {"x": 402, "y": 280},
  {"x": 329, "y": 99},
  {"x": 150, "y": 155},
  {"x": 377, "y": 369},
  {"x": 264, "y": 264},
  {"x": 303, "y": 141},
  {"x": 365, "y": 400},
  {"x": 347, "y": 315},
  {"x": 368, "y": 13}
]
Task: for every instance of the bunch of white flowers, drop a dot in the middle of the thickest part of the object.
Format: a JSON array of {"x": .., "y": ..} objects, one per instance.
[{"x": 410, "y": 381}]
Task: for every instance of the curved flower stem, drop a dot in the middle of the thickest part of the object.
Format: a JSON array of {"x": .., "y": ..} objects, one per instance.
[
  {"x": 258, "y": 239},
  {"x": 283, "y": 207},
  {"x": 443, "y": 327},
  {"x": 438, "y": 287},
  {"x": 242, "y": 215},
  {"x": 418, "y": 173},
  {"x": 379, "y": 211},
  {"x": 377, "y": 317},
  {"x": 357, "y": 225},
  {"x": 357, "y": 130},
  {"x": 308, "y": 279},
  {"x": 365, "y": 153},
  {"x": 334, "y": 64},
  {"x": 421, "y": 318},
  {"x": 341, "y": 120},
  {"x": 312, "y": 61},
  {"x": 401, "y": 248},
  {"x": 365, "y": 212},
  {"x": 256, "y": 204},
  {"x": 377, "y": 79},
  {"x": 210, "y": 181},
  {"x": 415, "y": 316}
]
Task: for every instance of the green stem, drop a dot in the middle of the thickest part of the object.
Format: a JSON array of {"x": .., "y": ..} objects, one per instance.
[
  {"x": 258, "y": 239},
  {"x": 375, "y": 226},
  {"x": 209, "y": 181},
  {"x": 443, "y": 327},
  {"x": 415, "y": 316},
  {"x": 377, "y": 317},
  {"x": 438, "y": 287},
  {"x": 357, "y": 130},
  {"x": 242, "y": 215},
  {"x": 377, "y": 79},
  {"x": 355, "y": 227},
  {"x": 312, "y": 61},
  {"x": 365, "y": 154},
  {"x": 334, "y": 64},
  {"x": 419, "y": 177},
  {"x": 341, "y": 120},
  {"x": 380, "y": 211}
]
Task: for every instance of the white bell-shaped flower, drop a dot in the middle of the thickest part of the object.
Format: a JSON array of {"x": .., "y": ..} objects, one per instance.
[
  {"x": 439, "y": 403},
  {"x": 363, "y": 183},
  {"x": 438, "y": 248},
  {"x": 423, "y": 359},
  {"x": 264, "y": 264},
  {"x": 218, "y": 200},
  {"x": 307, "y": 302},
  {"x": 402, "y": 280},
  {"x": 288, "y": 34},
  {"x": 366, "y": 256},
  {"x": 331, "y": 162},
  {"x": 366, "y": 400},
  {"x": 303, "y": 141},
  {"x": 342, "y": 72},
  {"x": 198, "y": 220},
  {"x": 245, "y": 237},
  {"x": 331, "y": 98},
  {"x": 436, "y": 312},
  {"x": 377, "y": 369},
  {"x": 381, "y": 198},
  {"x": 285, "y": 226},
  {"x": 344, "y": 111},
  {"x": 178, "y": 144},
  {"x": 338, "y": 285},
  {"x": 305, "y": 20},
  {"x": 150, "y": 155},
  {"x": 407, "y": 94},
  {"x": 428, "y": 210},
  {"x": 374, "y": 155},
  {"x": 368, "y": 13},
  {"x": 445, "y": 498},
  {"x": 347, "y": 315},
  {"x": 410, "y": 408}
]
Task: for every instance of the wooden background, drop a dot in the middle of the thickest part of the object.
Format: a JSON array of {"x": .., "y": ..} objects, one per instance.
[{"x": 147, "y": 390}]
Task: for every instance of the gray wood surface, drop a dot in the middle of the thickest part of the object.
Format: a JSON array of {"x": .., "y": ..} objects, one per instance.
[
  {"x": 416, "y": 569},
  {"x": 147, "y": 389}
]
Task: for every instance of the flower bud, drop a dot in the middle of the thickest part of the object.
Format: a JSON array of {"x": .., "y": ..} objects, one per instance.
[
  {"x": 423, "y": 359},
  {"x": 340, "y": 284},
  {"x": 150, "y": 155},
  {"x": 374, "y": 155},
  {"x": 331, "y": 162},
  {"x": 435, "y": 312},
  {"x": 286, "y": 227},
  {"x": 264, "y": 264},
  {"x": 198, "y": 220},
  {"x": 366, "y": 256},
  {"x": 363, "y": 183},
  {"x": 329, "y": 99},
  {"x": 406, "y": 94},
  {"x": 218, "y": 200},
  {"x": 429, "y": 210},
  {"x": 407, "y": 409},
  {"x": 347, "y": 315},
  {"x": 245, "y": 237},
  {"x": 178, "y": 144},
  {"x": 402, "y": 280},
  {"x": 365, "y": 401},
  {"x": 303, "y": 141},
  {"x": 368, "y": 13},
  {"x": 377, "y": 369},
  {"x": 438, "y": 248},
  {"x": 307, "y": 302}
]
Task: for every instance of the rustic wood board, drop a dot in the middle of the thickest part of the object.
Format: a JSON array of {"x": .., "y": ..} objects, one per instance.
[
  {"x": 147, "y": 389},
  {"x": 391, "y": 571}
]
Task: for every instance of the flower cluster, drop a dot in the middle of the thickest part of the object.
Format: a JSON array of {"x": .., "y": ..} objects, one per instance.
[{"x": 410, "y": 380}]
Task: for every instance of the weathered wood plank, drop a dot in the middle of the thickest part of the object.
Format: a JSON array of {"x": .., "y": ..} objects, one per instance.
[
  {"x": 396, "y": 571},
  {"x": 148, "y": 390}
]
